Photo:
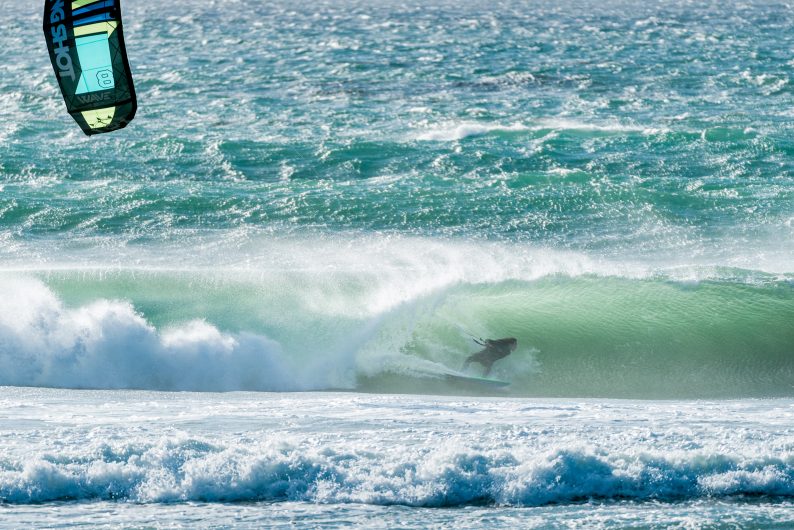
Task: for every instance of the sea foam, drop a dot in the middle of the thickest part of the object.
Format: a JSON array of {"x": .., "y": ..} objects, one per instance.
[
  {"x": 272, "y": 469},
  {"x": 459, "y": 130},
  {"x": 107, "y": 344}
]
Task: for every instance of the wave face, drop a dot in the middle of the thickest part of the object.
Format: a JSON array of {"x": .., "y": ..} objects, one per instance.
[
  {"x": 432, "y": 452},
  {"x": 322, "y": 317}
]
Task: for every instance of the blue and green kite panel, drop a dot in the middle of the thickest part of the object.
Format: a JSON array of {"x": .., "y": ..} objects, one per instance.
[{"x": 86, "y": 45}]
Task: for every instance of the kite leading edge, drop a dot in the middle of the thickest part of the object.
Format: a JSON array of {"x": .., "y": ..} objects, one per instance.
[{"x": 86, "y": 45}]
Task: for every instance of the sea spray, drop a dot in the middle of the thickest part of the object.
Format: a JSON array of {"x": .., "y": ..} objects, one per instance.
[{"x": 107, "y": 344}]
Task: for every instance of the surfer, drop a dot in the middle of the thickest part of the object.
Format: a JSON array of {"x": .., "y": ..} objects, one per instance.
[{"x": 494, "y": 349}]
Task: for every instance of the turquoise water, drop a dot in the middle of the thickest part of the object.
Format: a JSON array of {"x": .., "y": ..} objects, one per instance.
[
  {"x": 339, "y": 195},
  {"x": 605, "y": 127}
]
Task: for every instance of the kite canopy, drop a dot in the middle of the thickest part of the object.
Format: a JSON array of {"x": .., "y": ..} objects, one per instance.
[{"x": 86, "y": 45}]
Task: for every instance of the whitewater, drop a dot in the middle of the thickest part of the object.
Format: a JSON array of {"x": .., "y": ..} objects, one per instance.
[
  {"x": 242, "y": 310},
  {"x": 336, "y": 460}
]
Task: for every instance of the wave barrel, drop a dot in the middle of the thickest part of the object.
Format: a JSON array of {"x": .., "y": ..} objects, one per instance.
[{"x": 86, "y": 44}]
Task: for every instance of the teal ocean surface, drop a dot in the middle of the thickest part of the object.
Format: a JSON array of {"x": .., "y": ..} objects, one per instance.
[{"x": 335, "y": 197}]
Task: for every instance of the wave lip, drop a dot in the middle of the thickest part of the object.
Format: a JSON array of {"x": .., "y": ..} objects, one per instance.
[{"x": 195, "y": 470}]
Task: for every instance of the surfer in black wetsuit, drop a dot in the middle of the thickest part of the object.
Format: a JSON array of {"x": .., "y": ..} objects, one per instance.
[{"x": 494, "y": 349}]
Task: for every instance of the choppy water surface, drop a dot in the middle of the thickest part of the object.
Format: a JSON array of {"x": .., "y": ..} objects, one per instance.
[{"x": 611, "y": 127}]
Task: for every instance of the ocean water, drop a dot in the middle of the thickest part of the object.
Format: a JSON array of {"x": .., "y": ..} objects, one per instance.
[{"x": 242, "y": 309}]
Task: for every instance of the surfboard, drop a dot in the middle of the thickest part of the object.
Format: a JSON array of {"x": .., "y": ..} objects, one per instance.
[
  {"x": 454, "y": 378},
  {"x": 448, "y": 375}
]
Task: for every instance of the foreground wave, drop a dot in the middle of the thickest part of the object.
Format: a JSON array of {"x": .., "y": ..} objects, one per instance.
[
  {"x": 198, "y": 470},
  {"x": 150, "y": 447}
]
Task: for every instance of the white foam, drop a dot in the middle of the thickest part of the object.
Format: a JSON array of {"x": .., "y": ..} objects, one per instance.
[
  {"x": 458, "y": 130},
  {"x": 107, "y": 344},
  {"x": 382, "y": 450}
]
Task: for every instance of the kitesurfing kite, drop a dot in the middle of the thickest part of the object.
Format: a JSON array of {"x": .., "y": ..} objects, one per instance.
[{"x": 87, "y": 51}]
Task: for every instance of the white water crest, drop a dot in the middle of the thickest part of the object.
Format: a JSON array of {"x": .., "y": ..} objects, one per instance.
[
  {"x": 459, "y": 130},
  {"x": 107, "y": 344},
  {"x": 149, "y": 447}
]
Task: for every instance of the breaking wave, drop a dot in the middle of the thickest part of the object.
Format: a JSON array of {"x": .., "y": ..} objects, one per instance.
[
  {"x": 396, "y": 318},
  {"x": 107, "y": 344},
  {"x": 191, "y": 469}
]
